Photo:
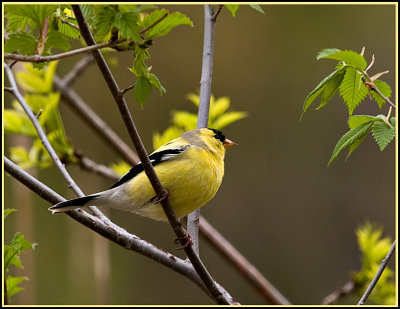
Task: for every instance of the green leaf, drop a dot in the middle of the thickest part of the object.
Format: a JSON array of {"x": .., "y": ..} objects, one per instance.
[
  {"x": 105, "y": 18},
  {"x": 8, "y": 211},
  {"x": 185, "y": 120},
  {"x": 352, "y": 89},
  {"x": 331, "y": 87},
  {"x": 127, "y": 24},
  {"x": 58, "y": 40},
  {"x": 257, "y": 8},
  {"x": 67, "y": 30},
  {"x": 156, "y": 82},
  {"x": 36, "y": 13},
  {"x": 167, "y": 24},
  {"x": 16, "y": 122},
  {"x": 226, "y": 119},
  {"x": 18, "y": 245},
  {"x": 21, "y": 157},
  {"x": 142, "y": 90},
  {"x": 34, "y": 80},
  {"x": 18, "y": 23},
  {"x": 348, "y": 56},
  {"x": 384, "y": 134},
  {"x": 384, "y": 88},
  {"x": 12, "y": 285},
  {"x": 23, "y": 42},
  {"x": 139, "y": 67},
  {"x": 318, "y": 90},
  {"x": 169, "y": 134},
  {"x": 218, "y": 107},
  {"x": 357, "y": 120},
  {"x": 352, "y": 137},
  {"x": 232, "y": 8},
  {"x": 121, "y": 168}
]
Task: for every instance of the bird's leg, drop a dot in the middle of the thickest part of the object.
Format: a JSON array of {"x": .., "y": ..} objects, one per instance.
[{"x": 161, "y": 197}]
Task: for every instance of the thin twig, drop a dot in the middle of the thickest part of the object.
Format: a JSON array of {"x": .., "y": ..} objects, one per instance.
[
  {"x": 338, "y": 293},
  {"x": 68, "y": 23},
  {"x": 248, "y": 271},
  {"x": 92, "y": 166},
  {"x": 93, "y": 120},
  {"x": 78, "y": 69},
  {"x": 153, "y": 24},
  {"x": 43, "y": 138},
  {"x": 204, "y": 105},
  {"x": 378, "y": 274},
  {"x": 181, "y": 234},
  {"x": 110, "y": 231},
  {"x": 374, "y": 88},
  {"x": 214, "y": 18},
  {"x": 83, "y": 50}
]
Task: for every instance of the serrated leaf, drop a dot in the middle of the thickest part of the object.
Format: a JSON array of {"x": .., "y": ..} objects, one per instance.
[
  {"x": 232, "y": 8},
  {"x": 142, "y": 90},
  {"x": 105, "y": 18},
  {"x": 38, "y": 81},
  {"x": 167, "y": 24},
  {"x": 139, "y": 67},
  {"x": 23, "y": 42},
  {"x": 36, "y": 13},
  {"x": 318, "y": 90},
  {"x": 156, "y": 82},
  {"x": 126, "y": 22},
  {"x": 352, "y": 137},
  {"x": 348, "y": 56},
  {"x": 18, "y": 23},
  {"x": 257, "y": 8},
  {"x": 331, "y": 87},
  {"x": 18, "y": 245},
  {"x": 67, "y": 30},
  {"x": 352, "y": 89},
  {"x": 57, "y": 40},
  {"x": 384, "y": 88},
  {"x": 12, "y": 285},
  {"x": 383, "y": 134},
  {"x": 357, "y": 120}
]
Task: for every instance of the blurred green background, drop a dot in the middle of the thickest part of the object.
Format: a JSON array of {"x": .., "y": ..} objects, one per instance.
[{"x": 292, "y": 216}]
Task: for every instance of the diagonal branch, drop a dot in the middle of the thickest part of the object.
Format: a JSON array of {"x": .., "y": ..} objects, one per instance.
[
  {"x": 148, "y": 168},
  {"x": 378, "y": 274},
  {"x": 43, "y": 138},
  {"x": 110, "y": 231}
]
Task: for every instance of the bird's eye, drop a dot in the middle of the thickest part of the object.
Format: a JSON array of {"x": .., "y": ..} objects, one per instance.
[{"x": 219, "y": 135}]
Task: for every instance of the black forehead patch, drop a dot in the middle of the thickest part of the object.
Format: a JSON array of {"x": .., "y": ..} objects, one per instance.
[{"x": 219, "y": 135}]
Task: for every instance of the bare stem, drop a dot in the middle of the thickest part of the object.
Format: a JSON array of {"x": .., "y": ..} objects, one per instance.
[
  {"x": 378, "y": 274},
  {"x": 204, "y": 105},
  {"x": 148, "y": 168},
  {"x": 83, "y": 50},
  {"x": 338, "y": 293},
  {"x": 78, "y": 69},
  {"x": 374, "y": 88}
]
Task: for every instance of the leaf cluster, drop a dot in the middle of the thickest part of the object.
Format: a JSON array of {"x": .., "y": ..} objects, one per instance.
[
  {"x": 12, "y": 251},
  {"x": 374, "y": 248},
  {"x": 43, "y": 101},
  {"x": 349, "y": 79}
]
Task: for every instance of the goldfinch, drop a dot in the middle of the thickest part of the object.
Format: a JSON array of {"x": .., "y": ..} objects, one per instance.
[{"x": 190, "y": 168}]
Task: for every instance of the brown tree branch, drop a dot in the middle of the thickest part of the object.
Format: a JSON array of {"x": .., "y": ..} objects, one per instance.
[
  {"x": 338, "y": 293},
  {"x": 148, "y": 168}
]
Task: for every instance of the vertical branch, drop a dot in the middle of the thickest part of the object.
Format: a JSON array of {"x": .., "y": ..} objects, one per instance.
[{"x": 204, "y": 105}]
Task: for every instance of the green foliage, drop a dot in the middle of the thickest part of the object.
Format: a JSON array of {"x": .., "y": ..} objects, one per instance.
[
  {"x": 349, "y": 79},
  {"x": 37, "y": 84},
  {"x": 12, "y": 252},
  {"x": 233, "y": 8},
  {"x": 182, "y": 121},
  {"x": 142, "y": 90},
  {"x": 373, "y": 249},
  {"x": 121, "y": 167},
  {"x": 384, "y": 132}
]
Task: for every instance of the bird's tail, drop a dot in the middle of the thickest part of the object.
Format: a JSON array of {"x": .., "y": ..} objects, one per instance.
[{"x": 72, "y": 204}]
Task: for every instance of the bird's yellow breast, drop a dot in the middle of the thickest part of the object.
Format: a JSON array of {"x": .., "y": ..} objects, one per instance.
[{"x": 191, "y": 181}]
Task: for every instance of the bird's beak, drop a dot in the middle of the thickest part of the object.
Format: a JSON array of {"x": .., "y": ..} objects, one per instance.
[{"x": 228, "y": 143}]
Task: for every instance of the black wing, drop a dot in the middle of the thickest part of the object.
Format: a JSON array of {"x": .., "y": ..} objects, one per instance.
[{"x": 155, "y": 158}]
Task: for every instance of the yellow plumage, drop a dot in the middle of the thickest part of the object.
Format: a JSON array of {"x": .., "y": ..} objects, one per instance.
[{"x": 190, "y": 168}]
